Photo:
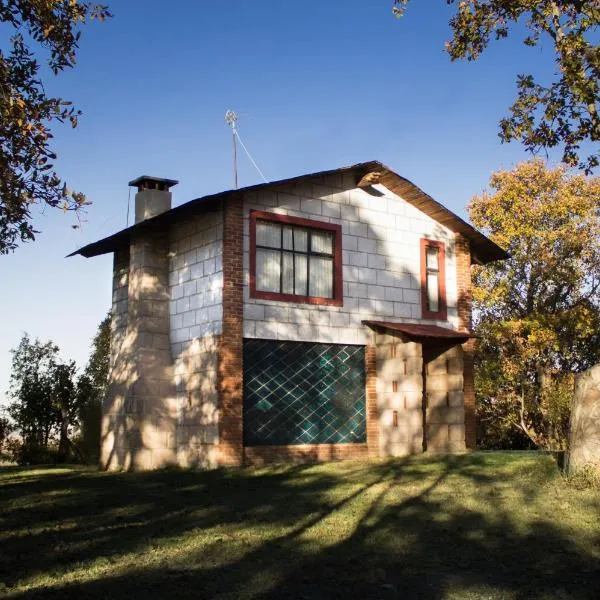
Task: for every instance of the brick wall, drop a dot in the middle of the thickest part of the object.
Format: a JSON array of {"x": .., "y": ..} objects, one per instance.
[
  {"x": 463, "y": 269},
  {"x": 381, "y": 262},
  {"x": 231, "y": 451},
  {"x": 371, "y": 398},
  {"x": 261, "y": 455}
]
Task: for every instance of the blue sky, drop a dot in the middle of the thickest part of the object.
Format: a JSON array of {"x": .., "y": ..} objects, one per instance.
[{"x": 317, "y": 85}]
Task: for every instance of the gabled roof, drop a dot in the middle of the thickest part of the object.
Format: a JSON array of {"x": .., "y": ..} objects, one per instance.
[{"x": 483, "y": 250}]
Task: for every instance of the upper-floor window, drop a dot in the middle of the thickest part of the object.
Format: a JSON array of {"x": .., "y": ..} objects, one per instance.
[
  {"x": 295, "y": 260},
  {"x": 433, "y": 280}
]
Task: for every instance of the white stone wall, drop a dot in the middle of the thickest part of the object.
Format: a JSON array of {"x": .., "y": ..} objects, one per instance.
[
  {"x": 381, "y": 235},
  {"x": 196, "y": 321},
  {"x": 196, "y": 279}
]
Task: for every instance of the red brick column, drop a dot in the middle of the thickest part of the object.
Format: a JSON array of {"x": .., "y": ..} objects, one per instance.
[
  {"x": 372, "y": 413},
  {"x": 463, "y": 275},
  {"x": 231, "y": 446}
]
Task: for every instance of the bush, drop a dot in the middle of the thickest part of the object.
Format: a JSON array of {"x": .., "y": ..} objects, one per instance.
[
  {"x": 35, "y": 454},
  {"x": 88, "y": 443}
]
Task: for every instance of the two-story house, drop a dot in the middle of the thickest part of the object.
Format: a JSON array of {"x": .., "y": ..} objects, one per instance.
[{"x": 323, "y": 316}]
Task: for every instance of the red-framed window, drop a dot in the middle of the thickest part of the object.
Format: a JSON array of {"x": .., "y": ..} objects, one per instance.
[
  {"x": 433, "y": 280},
  {"x": 295, "y": 260}
]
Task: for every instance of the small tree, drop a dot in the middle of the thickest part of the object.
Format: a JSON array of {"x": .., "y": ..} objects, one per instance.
[
  {"x": 6, "y": 428},
  {"x": 33, "y": 411},
  {"x": 538, "y": 313},
  {"x": 45, "y": 403},
  {"x": 66, "y": 401},
  {"x": 91, "y": 388}
]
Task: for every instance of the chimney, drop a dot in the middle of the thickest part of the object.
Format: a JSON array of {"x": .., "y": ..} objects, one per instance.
[{"x": 153, "y": 196}]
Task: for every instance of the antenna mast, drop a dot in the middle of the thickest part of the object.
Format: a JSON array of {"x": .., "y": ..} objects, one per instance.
[{"x": 231, "y": 119}]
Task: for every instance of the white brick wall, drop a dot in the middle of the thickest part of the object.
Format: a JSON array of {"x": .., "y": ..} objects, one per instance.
[
  {"x": 196, "y": 279},
  {"x": 380, "y": 255}
]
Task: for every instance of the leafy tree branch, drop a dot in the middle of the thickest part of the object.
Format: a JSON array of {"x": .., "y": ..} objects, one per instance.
[
  {"x": 27, "y": 173},
  {"x": 561, "y": 114}
]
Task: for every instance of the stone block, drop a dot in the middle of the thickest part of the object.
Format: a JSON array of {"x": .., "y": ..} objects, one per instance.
[
  {"x": 311, "y": 206},
  {"x": 584, "y": 428},
  {"x": 456, "y": 398},
  {"x": 367, "y": 245},
  {"x": 457, "y": 433},
  {"x": 448, "y": 415},
  {"x": 437, "y": 398}
]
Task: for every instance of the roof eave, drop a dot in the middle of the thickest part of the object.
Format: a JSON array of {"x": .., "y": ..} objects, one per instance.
[{"x": 483, "y": 250}]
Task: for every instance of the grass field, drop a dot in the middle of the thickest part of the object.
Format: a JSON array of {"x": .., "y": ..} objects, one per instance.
[{"x": 483, "y": 525}]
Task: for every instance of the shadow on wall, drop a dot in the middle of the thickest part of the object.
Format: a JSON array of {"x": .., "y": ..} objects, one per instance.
[
  {"x": 158, "y": 416},
  {"x": 160, "y": 413},
  {"x": 392, "y": 529}
]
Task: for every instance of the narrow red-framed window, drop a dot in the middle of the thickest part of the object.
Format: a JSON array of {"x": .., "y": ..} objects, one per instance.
[
  {"x": 295, "y": 260},
  {"x": 433, "y": 280}
]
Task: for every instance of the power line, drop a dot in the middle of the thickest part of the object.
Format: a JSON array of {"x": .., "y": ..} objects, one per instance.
[
  {"x": 250, "y": 157},
  {"x": 231, "y": 119}
]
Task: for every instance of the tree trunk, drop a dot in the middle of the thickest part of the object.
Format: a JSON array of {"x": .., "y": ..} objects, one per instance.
[{"x": 64, "y": 443}]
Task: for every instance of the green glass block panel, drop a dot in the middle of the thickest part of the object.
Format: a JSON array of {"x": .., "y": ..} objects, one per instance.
[{"x": 303, "y": 393}]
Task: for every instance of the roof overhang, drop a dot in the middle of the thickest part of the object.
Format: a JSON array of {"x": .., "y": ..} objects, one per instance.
[
  {"x": 422, "y": 333},
  {"x": 366, "y": 174}
]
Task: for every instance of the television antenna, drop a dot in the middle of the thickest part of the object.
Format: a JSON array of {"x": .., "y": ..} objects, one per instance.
[{"x": 232, "y": 119}]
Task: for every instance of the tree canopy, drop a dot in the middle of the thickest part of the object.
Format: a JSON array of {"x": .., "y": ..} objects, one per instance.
[
  {"x": 562, "y": 113},
  {"x": 51, "y": 403},
  {"x": 538, "y": 313},
  {"x": 27, "y": 112}
]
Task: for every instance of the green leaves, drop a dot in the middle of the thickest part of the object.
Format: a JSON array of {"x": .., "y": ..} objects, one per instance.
[
  {"x": 27, "y": 175},
  {"x": 562, "y": 114}
]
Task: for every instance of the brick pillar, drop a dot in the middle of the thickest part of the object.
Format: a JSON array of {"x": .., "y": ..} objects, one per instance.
[
  {"x": 231, "y": 400},
  {"x": 372, "y": 411},
  {"x": 463, "y": 275}
]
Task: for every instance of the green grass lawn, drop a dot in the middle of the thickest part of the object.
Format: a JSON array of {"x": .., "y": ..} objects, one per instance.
[{"x": 483, "y": 525}]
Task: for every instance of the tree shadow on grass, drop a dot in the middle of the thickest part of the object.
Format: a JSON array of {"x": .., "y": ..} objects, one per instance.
[{"x": 267, "y": 534}]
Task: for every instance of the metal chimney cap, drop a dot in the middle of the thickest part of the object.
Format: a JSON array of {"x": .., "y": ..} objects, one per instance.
[{"x": 146, "y": 182}]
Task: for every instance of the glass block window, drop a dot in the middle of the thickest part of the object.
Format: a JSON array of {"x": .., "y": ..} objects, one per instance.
[
  {"x": 303, "y": 393},
  {"x": 295, "y": 260}
]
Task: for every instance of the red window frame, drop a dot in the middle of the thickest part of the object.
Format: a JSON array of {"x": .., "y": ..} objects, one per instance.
[
  {"x": 442, "y": 313},
  {"x": 337, "y": 300}
]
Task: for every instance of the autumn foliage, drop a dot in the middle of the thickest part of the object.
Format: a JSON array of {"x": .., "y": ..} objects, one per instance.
[{"x": 538, "y": 313}]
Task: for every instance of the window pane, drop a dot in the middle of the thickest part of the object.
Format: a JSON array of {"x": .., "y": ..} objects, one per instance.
[
  {"x": 287, "y": 286},
  {"x": 321, "y": 241},
  {"x": 300, "y": 239},
  {"x": 432, "y": 292},
  {"x": 321, "y": 277},
  {"x": 301, "y": 272},
  {"x": 432, "y": 258},
  {"x": 267, "y": 270},
  {"x": 287, "y": 238},
  {"x": 268, "y": 234}
]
